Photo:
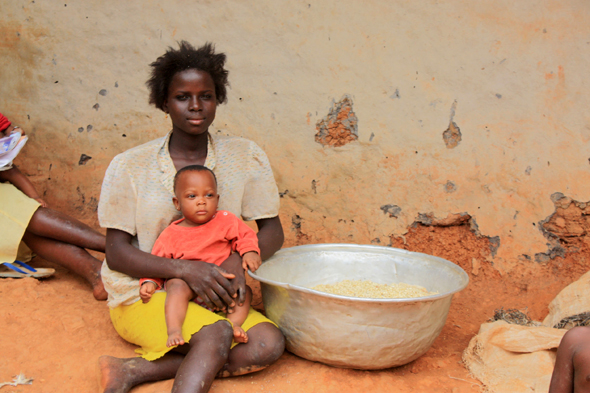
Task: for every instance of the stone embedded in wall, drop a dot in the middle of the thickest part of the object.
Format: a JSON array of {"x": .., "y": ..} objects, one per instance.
[
  {"x": 392, "y": 210},
  {"x": 450, "y": 187},
  {"x": 339, "y": 127},
  {"x": 567, "y": 229},
  {"x": 84, "y": 159},
  {"x": 452, "y": 135}
]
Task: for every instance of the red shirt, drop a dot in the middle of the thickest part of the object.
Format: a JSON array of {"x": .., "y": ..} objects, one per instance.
[{"x": 211, "y": 242}]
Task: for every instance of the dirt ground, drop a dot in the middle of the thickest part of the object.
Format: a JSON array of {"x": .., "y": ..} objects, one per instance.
[{"x": 54, "y": 331}]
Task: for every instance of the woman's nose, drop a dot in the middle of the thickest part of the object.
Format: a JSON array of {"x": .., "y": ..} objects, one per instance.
[{"x": 194, "y": 104}]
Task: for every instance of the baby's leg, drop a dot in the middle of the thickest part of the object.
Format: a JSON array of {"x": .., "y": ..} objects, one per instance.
[
  {"x": 238, "y": 317},
  {"x": 572, "y": 366},
  {"x": 178, "y": 294}
]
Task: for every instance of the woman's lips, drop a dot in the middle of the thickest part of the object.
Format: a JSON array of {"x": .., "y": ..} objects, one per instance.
[{"x": 196, "y": 122}]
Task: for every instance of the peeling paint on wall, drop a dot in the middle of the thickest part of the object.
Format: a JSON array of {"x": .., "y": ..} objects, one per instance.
[
  {"x": 567, "y": 229},
  {"x": 340, "y": 126},
  {"x": 452, "y": 135}
]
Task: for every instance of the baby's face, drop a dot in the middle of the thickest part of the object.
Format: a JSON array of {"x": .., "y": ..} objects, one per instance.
[{"x": 196, "y": 197}]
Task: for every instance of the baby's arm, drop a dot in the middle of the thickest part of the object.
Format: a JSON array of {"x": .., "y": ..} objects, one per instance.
[
  {"x": 251, "y": 260},
  {"x": 20, "y": 181}
]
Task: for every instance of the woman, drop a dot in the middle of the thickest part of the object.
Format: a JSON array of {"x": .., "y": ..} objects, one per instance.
[{"x": 136, "y": 205}]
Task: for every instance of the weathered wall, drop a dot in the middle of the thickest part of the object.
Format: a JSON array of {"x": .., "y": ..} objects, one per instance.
[{"x": 445, "y": 109}]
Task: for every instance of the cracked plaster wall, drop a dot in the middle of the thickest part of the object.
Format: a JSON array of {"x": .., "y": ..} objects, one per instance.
[{"x": 511, "y": 77}]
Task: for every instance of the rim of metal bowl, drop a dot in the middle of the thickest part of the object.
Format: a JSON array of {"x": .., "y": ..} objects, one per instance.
[{"x": 463, "y": 275}]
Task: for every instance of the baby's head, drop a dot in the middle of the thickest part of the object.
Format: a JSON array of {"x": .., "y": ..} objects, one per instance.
[{"x": 195, "y": 194}]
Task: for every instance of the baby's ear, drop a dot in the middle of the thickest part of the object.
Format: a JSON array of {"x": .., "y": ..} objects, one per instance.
[{"x": 176, "y": 203}]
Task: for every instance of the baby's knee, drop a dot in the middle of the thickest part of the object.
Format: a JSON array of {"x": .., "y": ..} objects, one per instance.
[{"x": 177, "y": 285}]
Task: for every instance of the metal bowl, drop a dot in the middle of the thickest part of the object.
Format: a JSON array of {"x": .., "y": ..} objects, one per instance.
[{"x": 368, "y": 334}]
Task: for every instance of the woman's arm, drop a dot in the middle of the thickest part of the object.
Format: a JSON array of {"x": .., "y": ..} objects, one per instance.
[
  {"x": 270, "y": 240},
  {"x": 207, "y": 280},
  {"x": 270, "y": 236},
  {"x": 20, "y": 181}
]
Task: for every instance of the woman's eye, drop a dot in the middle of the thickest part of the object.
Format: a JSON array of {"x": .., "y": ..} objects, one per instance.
[
  {"x": 181, "y": 98},
  {"x": 208, "y": 96}
]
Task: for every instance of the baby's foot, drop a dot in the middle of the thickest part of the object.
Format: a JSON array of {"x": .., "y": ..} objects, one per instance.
[
  {"x": 174, "y": 338},
  {"x": 240, "y": 335}
]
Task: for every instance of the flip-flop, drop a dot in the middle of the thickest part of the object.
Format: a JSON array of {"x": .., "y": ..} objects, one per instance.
[{"x": 24, "y": 271}]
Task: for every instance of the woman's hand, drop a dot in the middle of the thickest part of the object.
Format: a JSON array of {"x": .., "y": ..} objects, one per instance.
[
  {"x": 210, "y": 282},
  {"x": 233, "y": 265}
]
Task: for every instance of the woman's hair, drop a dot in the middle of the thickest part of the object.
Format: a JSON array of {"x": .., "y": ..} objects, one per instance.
[{"x": 186, "y": 57}]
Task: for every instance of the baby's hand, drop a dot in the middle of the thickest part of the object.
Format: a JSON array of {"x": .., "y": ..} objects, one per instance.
[
  {"x": 251, "y": 260},
  {"x": 146, "y": 291}
]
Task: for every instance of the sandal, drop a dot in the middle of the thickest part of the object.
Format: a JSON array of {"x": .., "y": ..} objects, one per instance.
[{"x": 24, "y": 271}]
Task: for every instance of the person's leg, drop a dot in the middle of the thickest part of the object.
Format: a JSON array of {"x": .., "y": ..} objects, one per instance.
[
  {"x": 121, "y": 375},
  {"x": 193, "y": 368},
  {"x": 265, "y": 345},
  {"x": 209, "y": 350},
  {"x": 572, "y": 365},
  {"x": 178, "y": 294},
  {"x": 53, "y": 224},
  {"x": 238, "y": 317},
  {"x": 73, "y": 258}
]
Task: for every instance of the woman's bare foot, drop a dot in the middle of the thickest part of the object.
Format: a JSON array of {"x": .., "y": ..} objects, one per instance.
[
  {"x": 174, "y": 338},
  {"x": 98, "y": 290},
  {"x": 113, "y": 375},
  {"x": 240, "y": 335}
]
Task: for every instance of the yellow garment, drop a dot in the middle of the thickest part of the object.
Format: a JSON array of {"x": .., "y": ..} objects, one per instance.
[
  {"x": 129, "y": 323},
  {"x": 16, "y": 210}
]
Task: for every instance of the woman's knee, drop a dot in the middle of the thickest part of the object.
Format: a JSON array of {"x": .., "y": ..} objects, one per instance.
[
  {"x": 269, "y": 344},
  {"x": 220, "y": 334}
]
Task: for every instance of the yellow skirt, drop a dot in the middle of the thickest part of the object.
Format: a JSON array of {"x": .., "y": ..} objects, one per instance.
[
  {"x": 16, "y": 210},
  {"x": 144, "y": 324}
]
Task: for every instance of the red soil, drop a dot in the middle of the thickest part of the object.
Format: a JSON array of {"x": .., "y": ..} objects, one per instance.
[{"x": 54, "y": 331}]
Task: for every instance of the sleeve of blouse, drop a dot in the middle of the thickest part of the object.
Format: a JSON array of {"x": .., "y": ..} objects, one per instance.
[
  {"x": 261, "y": 195},
  {"x": 118, "y": 198}
]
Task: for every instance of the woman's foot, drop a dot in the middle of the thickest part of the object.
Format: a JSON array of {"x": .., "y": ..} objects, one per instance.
[
  {"x": 113, "y": 375},
  {"x": 174, "y": 338},
  {"x": 98, "y": 290},
  {"x": 240, "y": 336}
]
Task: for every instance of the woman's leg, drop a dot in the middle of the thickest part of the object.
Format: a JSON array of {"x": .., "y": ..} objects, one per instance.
[
  {"x": 265, "y": 345},
  {"x": 195, "y": 372},
  {"x": 55, "y": 225},
  {"x": 73, "y": 258}
]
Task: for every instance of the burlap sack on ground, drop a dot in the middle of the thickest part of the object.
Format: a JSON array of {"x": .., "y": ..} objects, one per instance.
[
  {"x": 572, "y": 300},
  {"x": 513, "y": 358}
]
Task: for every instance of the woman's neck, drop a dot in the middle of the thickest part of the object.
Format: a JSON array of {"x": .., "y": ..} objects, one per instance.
[{"x": 188, "y": 149}]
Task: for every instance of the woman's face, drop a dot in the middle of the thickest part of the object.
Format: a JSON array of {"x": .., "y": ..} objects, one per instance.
[{"x": 191, "y": 102}]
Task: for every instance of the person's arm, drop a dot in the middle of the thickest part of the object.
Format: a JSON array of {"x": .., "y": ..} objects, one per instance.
[
  {"x": 206, "y": 280},
  {"x": 270, "y": 240},
  {"x": 20, "y": 181}
]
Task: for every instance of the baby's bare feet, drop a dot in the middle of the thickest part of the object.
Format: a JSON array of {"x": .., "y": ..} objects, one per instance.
[
  {"x": 240, "y": 336},
  {"x": 174, "y": 338}
]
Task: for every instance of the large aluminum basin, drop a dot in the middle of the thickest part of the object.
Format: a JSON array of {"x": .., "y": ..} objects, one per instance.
[{"x": 359, "y": 333}]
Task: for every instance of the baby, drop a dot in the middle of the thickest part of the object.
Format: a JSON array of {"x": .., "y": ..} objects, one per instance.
[{"x": 203, "y": 234}]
